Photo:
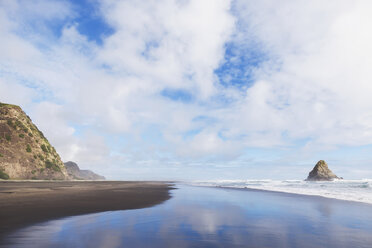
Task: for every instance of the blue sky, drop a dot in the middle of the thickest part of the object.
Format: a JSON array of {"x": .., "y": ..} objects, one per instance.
[{"x": 190, "y": 90}]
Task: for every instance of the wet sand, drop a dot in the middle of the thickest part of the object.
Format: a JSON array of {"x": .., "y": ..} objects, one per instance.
[
  {"x": 25, "y": 203},
  {"x": 212, "y": 217}
]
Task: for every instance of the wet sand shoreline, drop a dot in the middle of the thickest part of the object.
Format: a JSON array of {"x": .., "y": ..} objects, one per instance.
[
  {"x": 292, "y": 194},
  {"x": 23, "y": 203},
  {"x": 213, "y": 217}
]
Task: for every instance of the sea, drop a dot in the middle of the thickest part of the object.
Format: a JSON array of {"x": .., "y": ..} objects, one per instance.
[
  {"x": 350, "y": 190},
  {"x": 226, "y": 213}
]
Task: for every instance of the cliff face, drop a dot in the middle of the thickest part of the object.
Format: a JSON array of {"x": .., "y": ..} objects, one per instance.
[
  {"x": 74, "y": 172},
  {"x": 25, "y": 153},
  {"x": 321, "y": 172}
]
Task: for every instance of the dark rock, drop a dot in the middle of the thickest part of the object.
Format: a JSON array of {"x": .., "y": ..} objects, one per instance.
[
  {"x": 75, "y": 173},
  {"x": 321, "y": 172}
]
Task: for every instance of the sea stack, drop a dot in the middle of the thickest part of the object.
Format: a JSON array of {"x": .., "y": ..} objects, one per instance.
[{"x": 321, "y": 172}]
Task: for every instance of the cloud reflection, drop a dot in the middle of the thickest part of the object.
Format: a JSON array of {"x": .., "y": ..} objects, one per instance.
[{"x": 210, "y": 217}]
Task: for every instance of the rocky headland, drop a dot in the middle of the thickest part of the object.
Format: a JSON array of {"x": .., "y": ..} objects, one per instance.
[
  {"x": 25, "y": 153},
  {"x": 74, "y": 172}
]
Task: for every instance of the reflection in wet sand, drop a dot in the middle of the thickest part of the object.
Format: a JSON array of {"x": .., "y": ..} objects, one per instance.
[{"x": 211, "y": 217}]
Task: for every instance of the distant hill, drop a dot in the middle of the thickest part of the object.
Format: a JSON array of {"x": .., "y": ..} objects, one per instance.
[
  {"x": 75, "y": 173},
  {"x": 25, "y": 153}
]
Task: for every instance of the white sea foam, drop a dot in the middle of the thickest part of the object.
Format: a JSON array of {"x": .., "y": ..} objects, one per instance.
[{"x": 351, "y": 190}]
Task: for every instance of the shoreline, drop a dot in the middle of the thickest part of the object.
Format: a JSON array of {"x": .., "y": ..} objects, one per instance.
[
  {"x": 210, "y": 216},
  {"x": 23, "y": 203},
  {"x": 193, "y": 213},
  {"x": 286, "y": 193}
]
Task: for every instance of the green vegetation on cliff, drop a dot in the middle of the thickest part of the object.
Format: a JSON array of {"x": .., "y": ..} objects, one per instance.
[
  {"x": 28, "y": 148},
  {"x": 3, "y": 175},
  {"x": 25, "y": 151}
]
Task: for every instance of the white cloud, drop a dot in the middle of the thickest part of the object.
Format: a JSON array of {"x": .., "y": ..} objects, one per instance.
[
  {"x": 321, "y": 89},
  {"x": 159, "y": 45},
  {"x": 14, "y": 93},
  {"x": 314, "y": 84},
  {"x": 169, "y": 43}
]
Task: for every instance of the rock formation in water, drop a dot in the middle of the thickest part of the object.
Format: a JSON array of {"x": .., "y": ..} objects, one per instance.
[
  {"x": 321, "y": 172},
  {"x": 75, "y": 173},
  {"x": 25, "y": 153}
]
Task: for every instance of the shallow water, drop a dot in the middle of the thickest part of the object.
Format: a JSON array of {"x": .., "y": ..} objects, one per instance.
[
  {"x": 213, "y": 217},
  {"x": 352, "y": 190}
]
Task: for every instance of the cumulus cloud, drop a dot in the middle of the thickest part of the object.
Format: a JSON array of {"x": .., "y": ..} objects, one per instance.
[
  {"x": 115, "y": 89},
  {"x": 149, "y": 96},
  {"x": 318, "y": 89}
]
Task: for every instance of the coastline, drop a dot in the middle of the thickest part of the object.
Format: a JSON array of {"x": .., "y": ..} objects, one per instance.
[
  {"x": 23, "y": 203},
  {"x": 345, "y": 190},
  {"x": 290, "y": 194},
  {"x": 212, "y": 217}
]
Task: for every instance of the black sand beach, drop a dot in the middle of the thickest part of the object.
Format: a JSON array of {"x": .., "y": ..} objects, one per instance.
[
  {"x": 25, "y": 203},
  {"x": 236, "y": 217},
  {"x": 209, "y": 217}
]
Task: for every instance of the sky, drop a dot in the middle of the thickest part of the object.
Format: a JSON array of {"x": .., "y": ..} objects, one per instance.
[{"x": 194, "y": 90}]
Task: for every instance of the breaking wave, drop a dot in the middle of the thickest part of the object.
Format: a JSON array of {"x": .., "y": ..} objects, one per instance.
[{"x": 351, "y": 190}]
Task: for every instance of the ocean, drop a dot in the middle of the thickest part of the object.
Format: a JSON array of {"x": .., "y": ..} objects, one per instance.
[{"x": 350, "y": 190}]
